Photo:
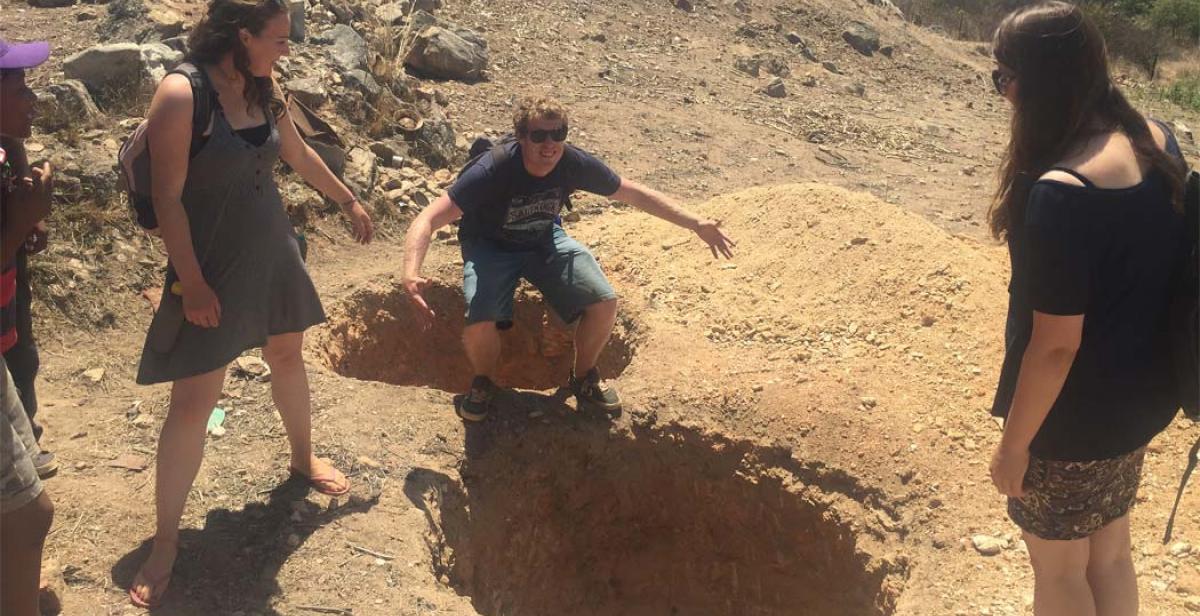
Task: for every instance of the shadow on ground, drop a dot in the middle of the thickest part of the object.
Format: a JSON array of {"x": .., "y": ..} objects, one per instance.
[{"x": 231, "y": 564}]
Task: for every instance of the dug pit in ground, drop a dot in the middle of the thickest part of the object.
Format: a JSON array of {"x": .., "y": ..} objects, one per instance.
[
  {"x": 589, "y": 521},
  {"x": 375, "y": 336}
]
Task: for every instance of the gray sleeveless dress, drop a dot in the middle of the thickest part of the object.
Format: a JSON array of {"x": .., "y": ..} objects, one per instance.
[{"x": 249, "y": 256}]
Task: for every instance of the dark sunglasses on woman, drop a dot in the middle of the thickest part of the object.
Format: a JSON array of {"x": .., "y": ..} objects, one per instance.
[
  {"x": 1001, "y": 80},
  {"x": 539, "y": 136}
]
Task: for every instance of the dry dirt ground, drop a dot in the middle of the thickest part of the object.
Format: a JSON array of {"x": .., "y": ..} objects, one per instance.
[{"x": 805, "y": 429}]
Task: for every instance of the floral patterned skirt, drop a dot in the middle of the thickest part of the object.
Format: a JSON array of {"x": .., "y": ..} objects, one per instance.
[{"x": 1072, "y": 500}]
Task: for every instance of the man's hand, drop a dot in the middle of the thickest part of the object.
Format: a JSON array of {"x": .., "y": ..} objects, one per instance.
[
  {"x": 363, "y": 228},
  {"x": 1008, "y": 471},
  {"x": 425, "y": 314},
  {"x": 718, "y": 242}
]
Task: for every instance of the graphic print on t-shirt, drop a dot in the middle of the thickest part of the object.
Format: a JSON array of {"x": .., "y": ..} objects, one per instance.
[{"x": 544, "y": 204}]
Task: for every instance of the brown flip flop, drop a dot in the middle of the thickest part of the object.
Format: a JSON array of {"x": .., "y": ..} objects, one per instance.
[{"x": 332, "y": 484}]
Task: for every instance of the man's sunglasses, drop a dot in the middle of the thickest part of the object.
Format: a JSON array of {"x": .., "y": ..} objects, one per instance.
[
  {"x": 1002, "y": 80},
  {"x": 539, "y": 136}
]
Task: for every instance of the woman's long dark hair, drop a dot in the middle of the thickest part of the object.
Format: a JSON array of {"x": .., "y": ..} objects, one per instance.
[
  {"x": 218, "y": 34},
  {"x": 1064, "y": 96}
]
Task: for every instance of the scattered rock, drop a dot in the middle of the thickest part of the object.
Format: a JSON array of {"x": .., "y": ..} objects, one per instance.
[
  {"x": 434, "y": 143},
  {"x": 65, "y": 104},
  {"x": 889, "y": 6},
  {"x": 887, "y": 50},
  {"x": 250, "y": 367},
  {"x": 347, "y": 49},
  {"x": 361, "y": 170},
  {"x": 1184, "y": 133},
  {"x": 298, "y": 10},
  {"x": 770, "y": 63},
  {"x": 369, "y": 462},
  {"x": 109, "y": 71},
  {"x": 342, "y": 12},
  {"x": 831, "y": 67},
  {"x": 988, "y": 545},
  {"x": 51, "y": 4},
  {"x": 795, "y": 39},
  {"x": 685, "y": 5},
  {"x": 775, "y": 88},
  {"x": 868, "y": 402},
  {"x": 363, "y": 83},
  {"x": 757, "y": 29},
  {"x": 94, "y": 375},
  {"x": 129, "y": 461},
  {"x": 1180, "y": 548},
  {"x": 392, "y": 13},
  {"x": 863, "y": 38},
  {"x": 309, "y": 91},
  {"x": 442, "y": 53},
  {"x": 856, "y": 88}
]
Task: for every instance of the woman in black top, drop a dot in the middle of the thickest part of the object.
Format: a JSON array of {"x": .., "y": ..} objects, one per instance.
[{"x": 1089, "y": 203}]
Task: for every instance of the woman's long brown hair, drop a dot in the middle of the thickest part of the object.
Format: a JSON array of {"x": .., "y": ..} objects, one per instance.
[
  {"x": 1065, "y": 95},
  {"x": 218, "y": 34}
]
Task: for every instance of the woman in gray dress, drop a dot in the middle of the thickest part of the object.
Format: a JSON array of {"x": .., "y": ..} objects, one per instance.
[{"x": 235, "y": 280}]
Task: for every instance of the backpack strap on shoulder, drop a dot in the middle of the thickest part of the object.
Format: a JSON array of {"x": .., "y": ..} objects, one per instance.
[
  {"x": 202, "y": 99},
  {"x": 1172, "y": 142}
]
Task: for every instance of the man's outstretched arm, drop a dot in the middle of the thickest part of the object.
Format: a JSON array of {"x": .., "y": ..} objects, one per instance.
[
  {"x": 657, "y": 204},
  {"x": 440, "y": 213}
]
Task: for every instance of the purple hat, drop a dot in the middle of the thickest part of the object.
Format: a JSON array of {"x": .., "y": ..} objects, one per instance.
[{"x": 23, "y": 55}]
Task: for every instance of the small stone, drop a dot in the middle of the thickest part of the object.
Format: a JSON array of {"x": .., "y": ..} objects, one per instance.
[
  {"x": 685, "y": 5},
  {"x": 775, "y": 88},
  {"x": 129, "y": 461},
  {"x": 94, "y": 375},
  {"x": 1192, "y": 604},
  {"x": 928, "y": 321},
  {"x": 987, "y": 545},
  {"x": 369, "y": 462},
  {"x": 831, "y": 67},
  {"x": 868, "y": 402},
  {"x": 1180, "y": 548},
  {"x": 858, "y": 241},
  {"x": 143, "y": 421}
]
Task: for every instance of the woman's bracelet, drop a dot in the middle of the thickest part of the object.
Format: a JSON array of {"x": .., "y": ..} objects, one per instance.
[{"x": 348, "y": 202}]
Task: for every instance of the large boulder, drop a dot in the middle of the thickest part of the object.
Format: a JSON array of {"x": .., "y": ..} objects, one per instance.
[
  {"x": 113, "y": 72},
  {"x": 66, "y": 104},
  {"x": 441, "y": 53},
  {"x": 863, "y": 38},
  {"x": 347, "y": 49}
]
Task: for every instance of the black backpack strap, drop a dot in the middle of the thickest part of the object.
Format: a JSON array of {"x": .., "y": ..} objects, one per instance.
[
  {"x": 1172, "y": 142},
  {"x": 1075, "y": 174},
  {"x": 202, "y": 101},
  {"x": 1187, "y": 474}
]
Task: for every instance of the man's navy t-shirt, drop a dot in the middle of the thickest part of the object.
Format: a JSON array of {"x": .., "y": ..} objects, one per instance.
[{"x": 502, "y": 202}]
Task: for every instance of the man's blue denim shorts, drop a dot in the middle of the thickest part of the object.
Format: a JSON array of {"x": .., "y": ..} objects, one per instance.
[{"x": 566, "y": 273}]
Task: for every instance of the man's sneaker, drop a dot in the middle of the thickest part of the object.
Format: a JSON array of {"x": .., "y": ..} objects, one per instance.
[
  {"x": 589, "y": 390},
  {"x": 45, "y": 465},
  {"x": 478, "y": 401}
]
